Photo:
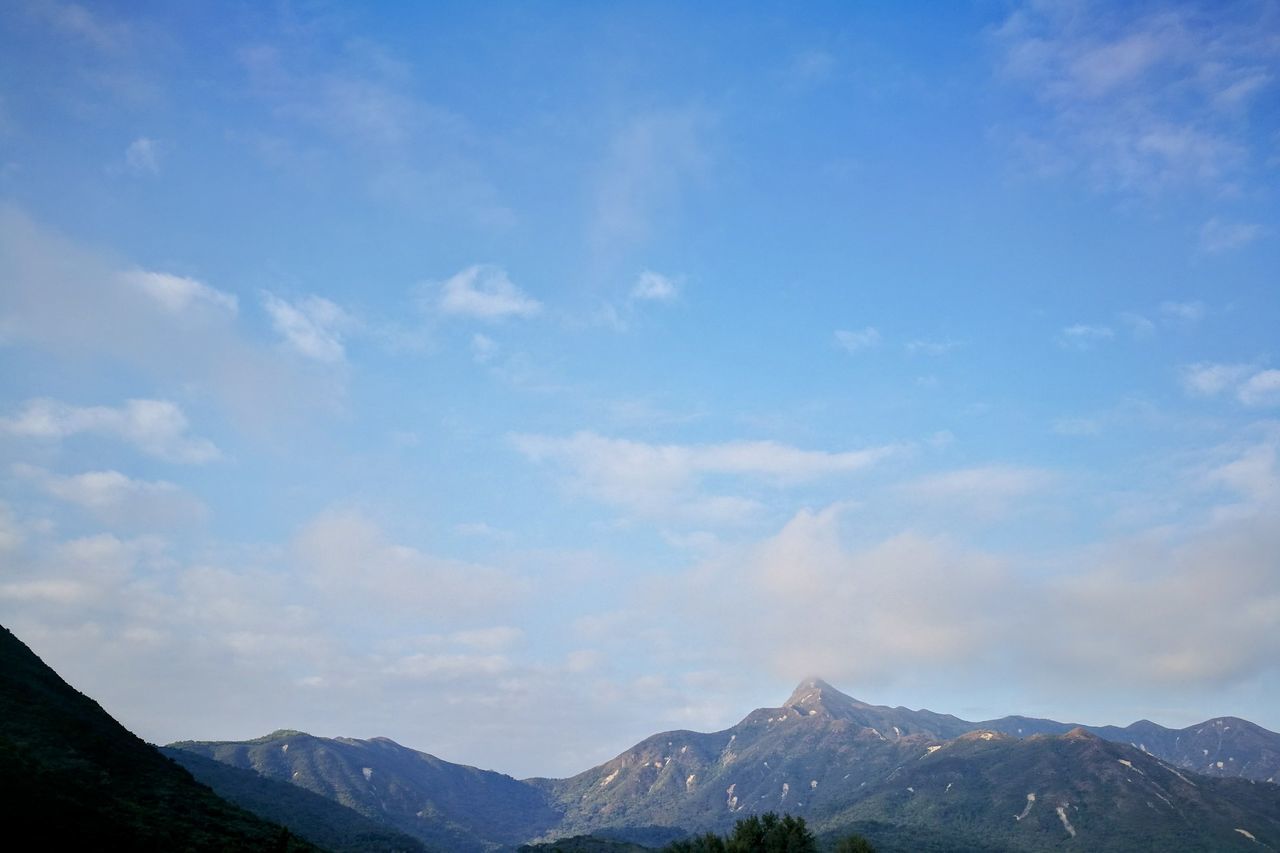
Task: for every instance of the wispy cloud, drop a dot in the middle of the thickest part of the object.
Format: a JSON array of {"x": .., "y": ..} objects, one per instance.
[
  {"x": 312, "y": 326},
  {"x": 345, "y": 555},
  {"x": 156, "y": 427},
  {"x": 933, "y": 346},
  {"x": 75, "y": 304},
  {"x": 650, "y": 160},
  {"x": 1182, "y": 312},
  {"x": 142, "y": 157},
  {"x": 654, "y": 287},
  {"x": 118, "y": 499},
  {"x": 1247, "y": 383},
  {"x": 484, "y": 292},
  {"x": 361, "y": 106},
  {"x": 988, "y": 491},
  {"x": 665, "y": 479},
  {"x": 859, "y": 339},
  {"x": 1217, "y": 235},
  {"x": 1261, "y": 389},
  {"x": 1141, "y": 100},
  {"x": 1084, "y": 336},
  {"x": 178, "y": 294},
  {"x": 88, "y": 26},
  {"x": 483, "y": 348}
]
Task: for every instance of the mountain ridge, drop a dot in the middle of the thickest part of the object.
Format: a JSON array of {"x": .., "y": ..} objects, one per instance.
[{"x": 838, "y": 762}]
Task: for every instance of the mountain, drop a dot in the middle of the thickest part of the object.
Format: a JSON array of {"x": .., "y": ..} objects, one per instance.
[
  {"x": 448, "y": 806},
  {"x": 1075, "y": 790},
  {"x": 74, "y": 778},
  {"x": 930, "y": 780},
  {"x": 318, "y": 819},
  {"x": 909, "y": 780},
  {"x": 1225, "y": 747}
]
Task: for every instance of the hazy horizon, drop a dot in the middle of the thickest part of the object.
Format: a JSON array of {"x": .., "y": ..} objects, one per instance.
[{"x": 516, "y": 381}]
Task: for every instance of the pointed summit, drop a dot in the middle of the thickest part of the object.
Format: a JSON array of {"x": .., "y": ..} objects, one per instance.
[{"x": 813, "y": 697}]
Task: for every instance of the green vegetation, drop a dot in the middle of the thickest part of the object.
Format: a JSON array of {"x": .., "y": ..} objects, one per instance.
[
  {"x": 766, "y": 833},
  {"x": 854, "y": 844}
]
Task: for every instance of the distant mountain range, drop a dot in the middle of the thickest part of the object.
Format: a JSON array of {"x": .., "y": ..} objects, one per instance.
[
  {"x": 910, "y": 780},
  {"x": 448, "y": 806},
  {"x": 70, "y": 776}
]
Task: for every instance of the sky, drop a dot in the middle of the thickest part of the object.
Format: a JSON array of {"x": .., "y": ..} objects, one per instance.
[{"x": 517, "y": 380}]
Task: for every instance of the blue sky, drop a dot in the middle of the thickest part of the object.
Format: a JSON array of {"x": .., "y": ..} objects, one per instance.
[{"x": 516, "y": 380}]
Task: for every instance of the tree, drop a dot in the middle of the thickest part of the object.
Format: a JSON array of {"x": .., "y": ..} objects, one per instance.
[
  {"x": 854, "y": 844},
  {"x": 766, "y": 833},
  {"x": 709, "y": 843}
]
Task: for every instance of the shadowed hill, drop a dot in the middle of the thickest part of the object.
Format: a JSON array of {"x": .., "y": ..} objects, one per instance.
[
  {"x": 318, "y": 819},
  {"x": 74, "y": 778},
  {"x": 449, "y": 806}
]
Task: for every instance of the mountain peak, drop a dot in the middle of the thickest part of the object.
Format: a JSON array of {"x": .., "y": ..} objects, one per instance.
[
  {"x": 1081, "y": 733},
  {"x": 816, "y": 695}
]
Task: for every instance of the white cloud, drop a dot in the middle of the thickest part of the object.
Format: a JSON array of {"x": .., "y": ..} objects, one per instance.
[
  {"x": 852, "y": 341},
  {"x": 142, "y": 157},
  {"x": 1137, "y": 99},
  {"x": 654, "y": 287},
  {"x": 312, "y": 326},
  {"x": 1207, "y": 379},
  {"x": 1188, "y": 612},
  {"x": 118, "y": 499},
  {"x": 178, "y": 294},
  {"x": 156, "y": 427},
  {"x": 1261, "y": 389},
  {"x": 1084, "y": 336},
  {"x": 664, "y": 480},
  {"x": 798, "y": 602},
  {"x": 1251, "y": 472},
  {"x": 346, "y": 557},
  {"x": 485, "y": 293},
  {"x": 1217, "y": 235},
  {"x": 83, "y": 309},
  {"x": 988, "y": 491},
  {"x": 1188, "y": 616},
  {"x": 1251, "y": 386}
]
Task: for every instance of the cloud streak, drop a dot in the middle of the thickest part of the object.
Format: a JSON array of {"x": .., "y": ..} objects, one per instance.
[
  {"x": 314, "y": 327},
  {"x": 158, "y": 428},
  {"x": 657, "y": 480}
]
